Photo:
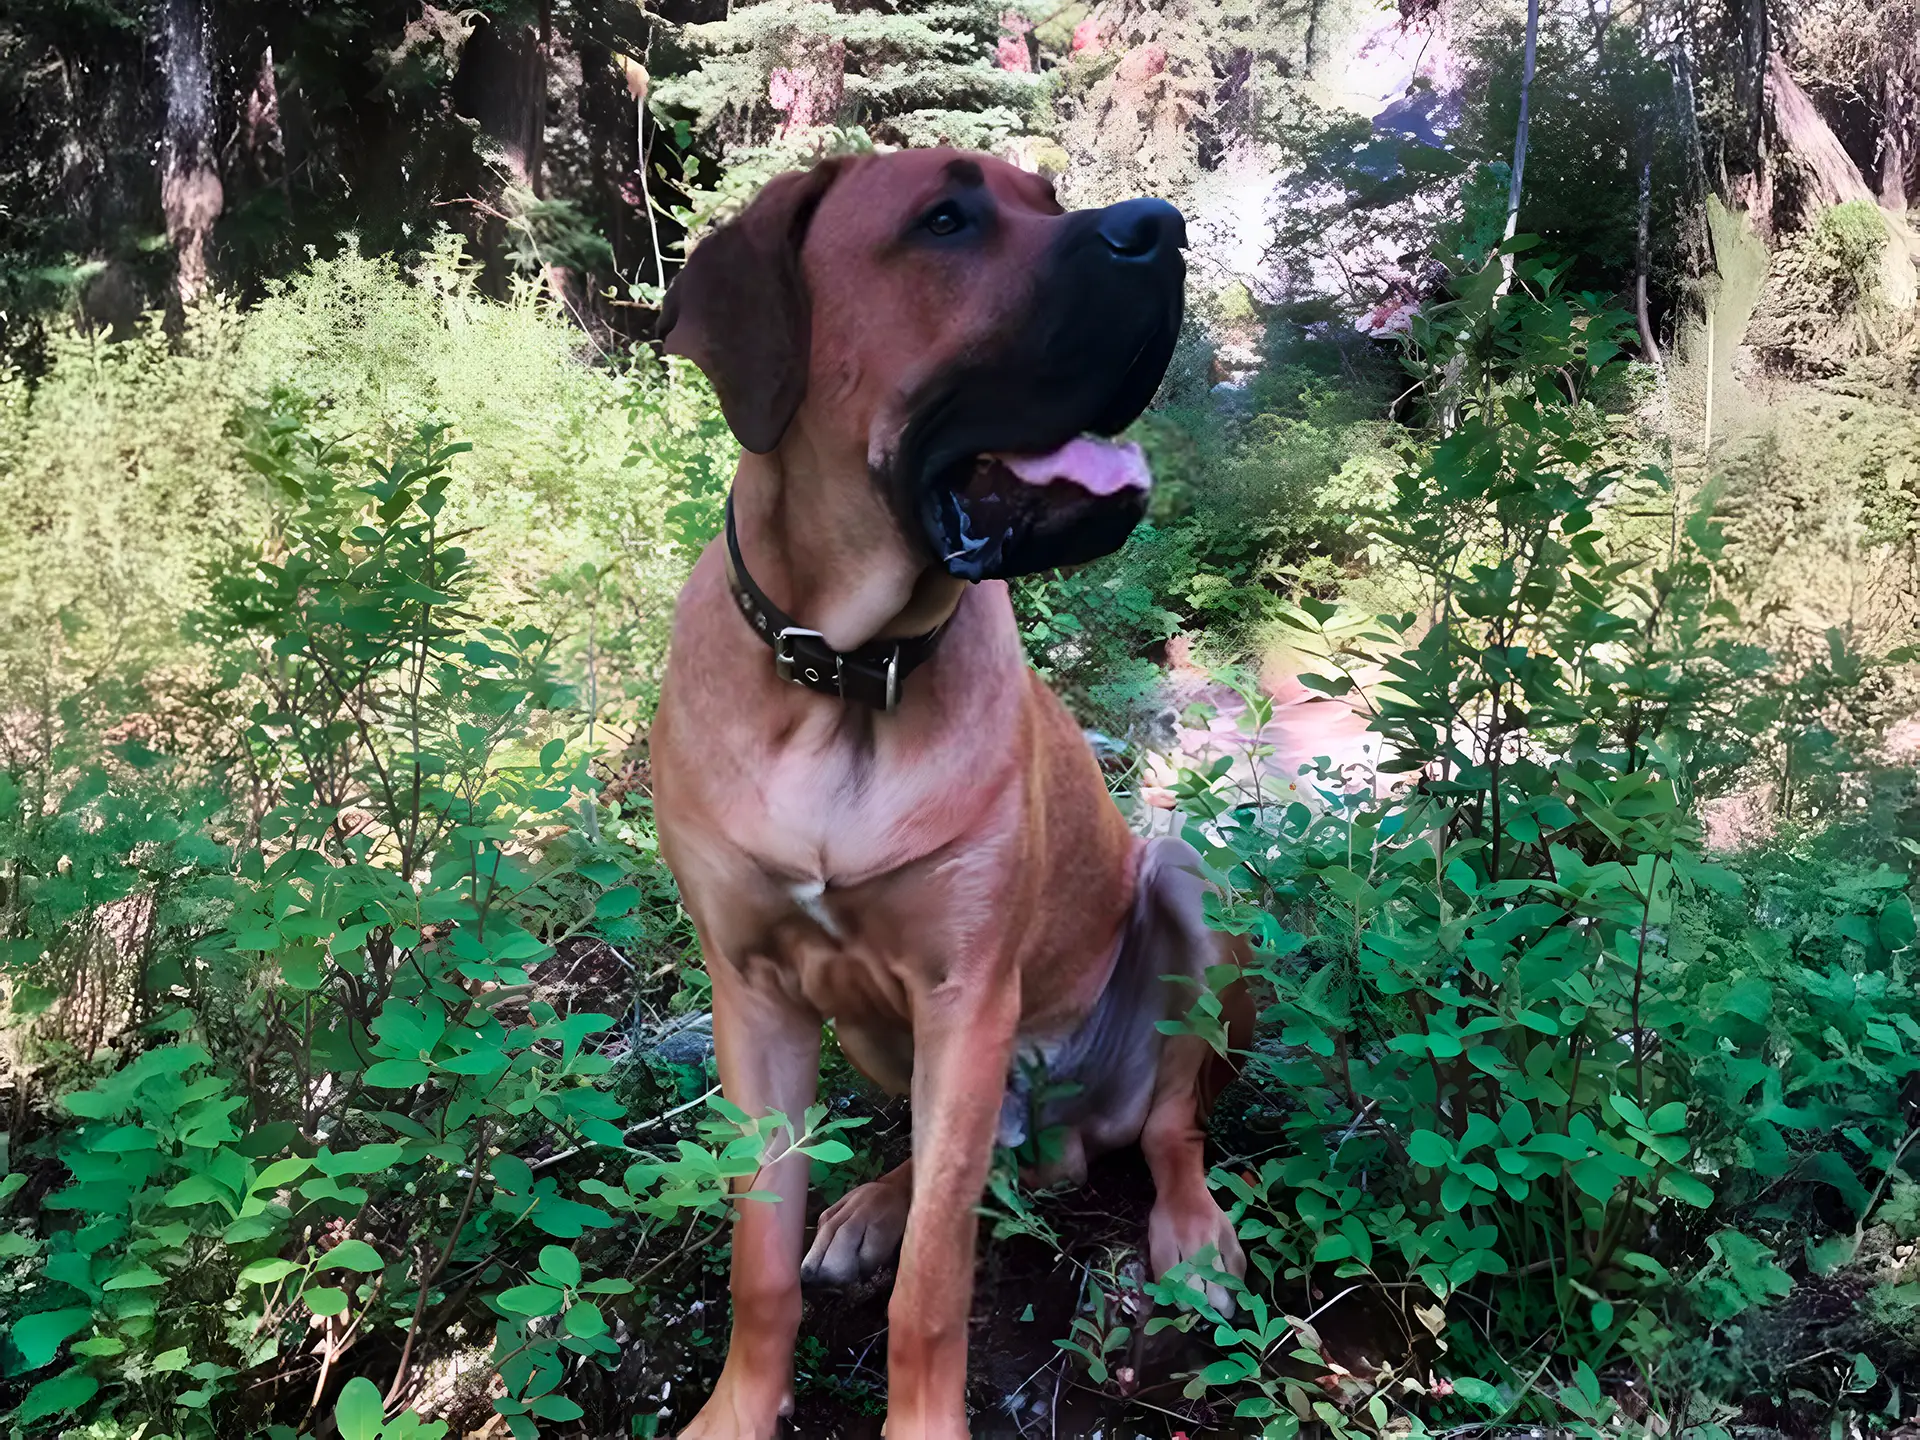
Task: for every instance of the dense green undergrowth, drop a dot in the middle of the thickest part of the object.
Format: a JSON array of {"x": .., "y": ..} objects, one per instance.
[
  {"x": 309, "y": 837},
  {"x": 1585, "y": 1102}
]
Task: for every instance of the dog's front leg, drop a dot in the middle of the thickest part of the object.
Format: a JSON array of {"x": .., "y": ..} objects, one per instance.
[
  {"x": 963, "y": 1039},
  {"x": 769, "y": 1055}
]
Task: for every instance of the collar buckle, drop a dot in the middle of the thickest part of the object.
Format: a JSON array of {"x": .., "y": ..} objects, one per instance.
[
  {"x": 870, "y": 676},
  {"x": 809, "y": 672}
]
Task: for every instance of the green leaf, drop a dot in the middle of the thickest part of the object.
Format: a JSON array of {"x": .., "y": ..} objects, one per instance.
[
  {"x": 559, "y": 1264},
  {"x": 1686, "y": 1189},
  {"x": 395, "y": 1074},
  {"x": 352, "y": 1255},
  {"x": 1477, "y": 1392},
  {"x": 1429, "y": 1148},
  {"x": 1668, "y": 1119},
  {"x": 280, "y": 1172},
  {"x": 531, "y": 1300},
  {"x": 616, "y": 902},
  {"x": 1828, "y": 1255},
  {"x": 40, "y": 1336},
  {"x": 50, "y": 1397},
  {"x": 585, "y": 1320},
  {"x": 1896, "y": 925},
  {"x": 198, "y": 1190},
  {"x": 138, "y": 1277},
  {"x": 359, "y": 1413},
  {"x": 607, "y": 1287},
  {"x": 556, "y": 1407},
  {"x": 366, "y": 1160},
  {"x": 267, "y": 1272},
  {"x": 325, "y": 1300}
]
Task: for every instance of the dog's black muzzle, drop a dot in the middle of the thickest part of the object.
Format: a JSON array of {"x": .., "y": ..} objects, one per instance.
[{"x": 1105, "y": 315}]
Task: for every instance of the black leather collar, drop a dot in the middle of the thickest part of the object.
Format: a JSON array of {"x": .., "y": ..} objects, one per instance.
[{"x": 871, "y": 675}]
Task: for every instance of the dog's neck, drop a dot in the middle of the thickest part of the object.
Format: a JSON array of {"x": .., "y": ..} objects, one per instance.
[{"x": 826, "y": 549}]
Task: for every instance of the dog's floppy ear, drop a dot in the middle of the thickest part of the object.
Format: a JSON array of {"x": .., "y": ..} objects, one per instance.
[{"x": 739, "y": 308}]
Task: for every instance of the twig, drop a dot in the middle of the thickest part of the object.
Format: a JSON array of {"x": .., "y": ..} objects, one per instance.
[
  {"x": 1892, "y": 1165},
  {"x": 640, "y": 1129},
  {"x": 426, "y": 1281}
]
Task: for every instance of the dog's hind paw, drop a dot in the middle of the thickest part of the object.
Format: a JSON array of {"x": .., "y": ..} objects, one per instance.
[
  {"x": 1177, "y": 1233},
  {"x": 859, "y": 1233}
]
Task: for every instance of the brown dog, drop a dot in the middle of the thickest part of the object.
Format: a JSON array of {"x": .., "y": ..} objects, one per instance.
[{"x": 911, "y": 347}]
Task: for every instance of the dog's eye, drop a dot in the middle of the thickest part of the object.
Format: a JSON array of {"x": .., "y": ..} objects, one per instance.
[{"x": 946, "y": 218}]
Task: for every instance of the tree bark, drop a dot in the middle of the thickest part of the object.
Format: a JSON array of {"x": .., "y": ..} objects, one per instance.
[
  {"x": 1515, "y": 184},
  {"x": 1642, "y": 257},
  {"x": 1827, "y": 175},
  {"x": 1899, "y": 131},
  {"x": 537, "y": 100},
  {"x": 1757, "y": 56},
  {"x": 191, "y": 197}
]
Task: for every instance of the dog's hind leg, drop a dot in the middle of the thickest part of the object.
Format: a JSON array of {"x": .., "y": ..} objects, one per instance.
[
  {"x": 769, "y": 1055},
  {"x": 860, "y": 1232},
  {"x": 1186, "y": 1220}
]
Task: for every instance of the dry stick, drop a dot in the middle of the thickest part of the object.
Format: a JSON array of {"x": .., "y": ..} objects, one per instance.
[
  {"x": 337, "y": 1348},
  {"x": 640, "y": 1129},
  {"x": 646, "y": 193},
  {"x": 426, "y": 1281}
]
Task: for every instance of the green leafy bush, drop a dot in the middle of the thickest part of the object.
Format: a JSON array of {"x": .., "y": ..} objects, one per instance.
[
  {"x": 119, "y": 481},
  {"x": 356, "y": 1121},
  {"x": 1517, "y": 1093}
]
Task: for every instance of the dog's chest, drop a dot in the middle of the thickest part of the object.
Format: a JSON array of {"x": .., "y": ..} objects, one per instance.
[{"x": 835, "y": 815}]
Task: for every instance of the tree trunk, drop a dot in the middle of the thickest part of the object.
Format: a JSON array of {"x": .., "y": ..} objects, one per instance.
[
  {"x": 260, "y": 134},
  {"x": 1757, "y": 56},
  {"x": 1643, "y": 256},
  {"x": 1824, "y": 173},
  {"x": 503, "y": 85},
  {"x": 1899, "y": 131},
  {"x": 537, "y": 100},
  {"x": 190, "y": 194},
  {"x": 1515, "y": 184}
]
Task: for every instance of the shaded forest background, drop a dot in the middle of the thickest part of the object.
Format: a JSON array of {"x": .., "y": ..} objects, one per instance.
[{"x": 1523, "y": 629}]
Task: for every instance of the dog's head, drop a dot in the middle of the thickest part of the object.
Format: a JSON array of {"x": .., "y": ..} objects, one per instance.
[{"x": 937, "y": 319}]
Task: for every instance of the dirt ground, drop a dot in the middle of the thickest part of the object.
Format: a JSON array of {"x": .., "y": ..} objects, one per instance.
[{"x": 1022, "y": 1386}]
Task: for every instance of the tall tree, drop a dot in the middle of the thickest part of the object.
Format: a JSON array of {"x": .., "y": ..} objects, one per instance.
[
  {"x": 190, "y": 189},
  {"x": 1515, "y": 184},
  {"x": 772, "y": 82},
  {"x": 1864, "y": 56}
]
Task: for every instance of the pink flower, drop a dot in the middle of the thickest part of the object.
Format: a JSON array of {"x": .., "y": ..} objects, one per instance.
[
  {"x": 1012, "y": 54},
  {"x": 1143, "y": 62},
  {"x": 1090, "y": 36}
]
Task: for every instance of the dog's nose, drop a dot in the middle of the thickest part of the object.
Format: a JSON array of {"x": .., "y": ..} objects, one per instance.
[{"x": 1142, "y": 229}]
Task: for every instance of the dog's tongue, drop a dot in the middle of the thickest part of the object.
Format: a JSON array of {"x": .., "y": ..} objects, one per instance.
[{"x": 1100, "y": 467}]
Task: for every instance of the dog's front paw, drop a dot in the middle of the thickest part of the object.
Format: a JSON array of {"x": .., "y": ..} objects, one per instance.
[
  {"x": 1178, "y": 1231},
  {"x": 915, "y": 1425},
  {"x": 742, "y": 1407},
  {"x": 859, "y": 1233}
]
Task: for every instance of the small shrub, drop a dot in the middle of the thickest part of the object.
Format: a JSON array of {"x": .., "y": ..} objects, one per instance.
[{"x": 1513, "y": 1099}]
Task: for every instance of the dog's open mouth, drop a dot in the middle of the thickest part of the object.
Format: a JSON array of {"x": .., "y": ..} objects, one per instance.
[{"x": 1056, "y": 507}]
